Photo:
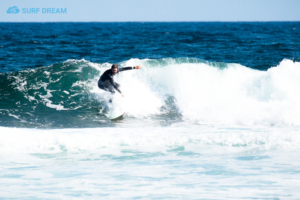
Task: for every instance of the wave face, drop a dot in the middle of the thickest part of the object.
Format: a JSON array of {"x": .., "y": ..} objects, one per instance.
[{"x": 165, "y": 91}]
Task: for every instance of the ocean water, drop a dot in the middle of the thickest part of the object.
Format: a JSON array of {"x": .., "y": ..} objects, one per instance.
[{"x": 214, "y": 113}]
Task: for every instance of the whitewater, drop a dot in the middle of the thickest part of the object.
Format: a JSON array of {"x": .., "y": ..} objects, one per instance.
[
  {"x": 193, "y": 129},
  {"x": 175, "y": 90}
]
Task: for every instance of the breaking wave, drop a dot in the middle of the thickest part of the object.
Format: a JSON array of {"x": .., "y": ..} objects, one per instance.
[{"x": 173, "y": 90}]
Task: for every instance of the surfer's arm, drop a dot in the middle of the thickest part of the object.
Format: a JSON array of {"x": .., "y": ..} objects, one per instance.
[
  {"x": 115, "y": 85},
  {"x": 118, "y": 89},
  {"x": 129, "y": 68}
]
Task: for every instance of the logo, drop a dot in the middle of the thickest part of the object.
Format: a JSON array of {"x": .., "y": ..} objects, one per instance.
[{"x": 13, "y": 10}]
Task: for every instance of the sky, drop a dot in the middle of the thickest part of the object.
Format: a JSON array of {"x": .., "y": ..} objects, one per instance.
[{"x": 148, "y": 10}]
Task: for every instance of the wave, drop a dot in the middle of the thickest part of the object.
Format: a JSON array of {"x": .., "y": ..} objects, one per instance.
[{"x": 183, "y": 89}]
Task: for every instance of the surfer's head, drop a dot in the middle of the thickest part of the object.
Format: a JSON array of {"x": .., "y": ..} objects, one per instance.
[{"x": 114, "y": 68}]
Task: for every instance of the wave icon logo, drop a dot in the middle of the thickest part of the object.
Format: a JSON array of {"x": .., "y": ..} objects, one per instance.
[{"x": 13, "y": 10}]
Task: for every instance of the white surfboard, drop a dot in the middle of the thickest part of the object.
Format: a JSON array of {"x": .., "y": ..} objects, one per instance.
[
  {"x": 115, "y": 108},
  {"x": 115, "y": 113}
]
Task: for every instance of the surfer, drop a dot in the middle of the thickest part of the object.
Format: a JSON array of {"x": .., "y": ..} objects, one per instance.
[{"x": 106, "y": 81}]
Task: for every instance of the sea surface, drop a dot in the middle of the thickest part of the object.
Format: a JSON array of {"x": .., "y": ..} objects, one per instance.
[{"x": 214, "y": 112}]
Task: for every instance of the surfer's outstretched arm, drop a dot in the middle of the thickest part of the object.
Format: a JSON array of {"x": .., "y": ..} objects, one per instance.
[{"x": 129, "y": 68}]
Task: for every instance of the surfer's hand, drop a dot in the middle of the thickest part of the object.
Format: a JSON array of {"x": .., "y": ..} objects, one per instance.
[
  {"x": 123, "y": 95},
  {"x": 138, "y": 67}
]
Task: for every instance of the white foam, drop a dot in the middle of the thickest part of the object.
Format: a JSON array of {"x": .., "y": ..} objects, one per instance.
[
  {"x": 16, "y": 140},
  {"x": 15, "y": 116},
  {"x": 49, "y": 103},
  {"x": 235, "y": 95}
]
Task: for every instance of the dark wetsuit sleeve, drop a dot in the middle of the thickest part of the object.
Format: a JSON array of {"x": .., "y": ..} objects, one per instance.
[{"x": 125, "y": 68}]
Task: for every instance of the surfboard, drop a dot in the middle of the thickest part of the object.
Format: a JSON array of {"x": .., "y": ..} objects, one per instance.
[
  {"x": 115, "y": 108},
  {"x": 114, "y": 114}
]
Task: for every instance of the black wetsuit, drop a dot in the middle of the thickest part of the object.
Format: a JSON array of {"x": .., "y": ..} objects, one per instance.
[{"x": 107, "y": 83}]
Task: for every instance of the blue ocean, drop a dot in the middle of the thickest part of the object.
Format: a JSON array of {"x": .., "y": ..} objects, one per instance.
[{"x": 214, "y": 112}]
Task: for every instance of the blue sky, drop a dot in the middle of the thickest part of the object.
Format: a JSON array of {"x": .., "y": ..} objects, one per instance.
[{"x": 151, "y": 10}]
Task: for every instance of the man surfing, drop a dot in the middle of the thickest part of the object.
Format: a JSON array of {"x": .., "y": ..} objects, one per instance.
[{"x": 106, "y": 81}]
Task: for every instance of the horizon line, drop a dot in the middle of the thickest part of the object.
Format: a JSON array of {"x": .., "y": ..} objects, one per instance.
[{"x": 136, "y": 21}]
